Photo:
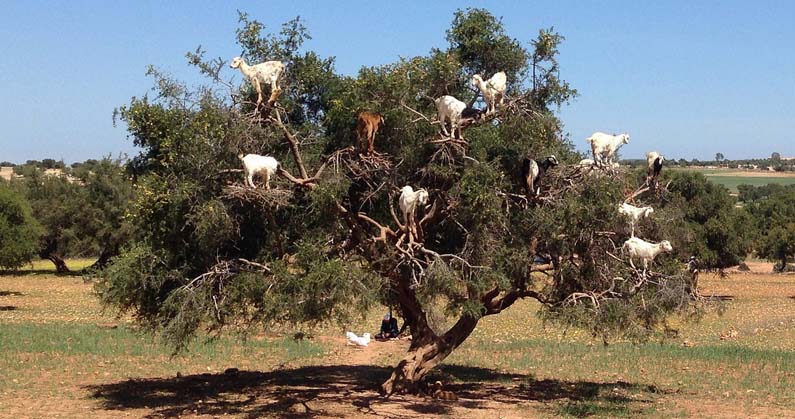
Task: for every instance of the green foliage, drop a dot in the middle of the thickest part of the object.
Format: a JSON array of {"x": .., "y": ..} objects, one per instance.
[
  {"x": 208, "y": 254},
  {"x": 773, "y": 214},
  {"x": 18, "y": 230},
  {"x": 705, "y": 222},
  {"x": 82, "y": 215}
]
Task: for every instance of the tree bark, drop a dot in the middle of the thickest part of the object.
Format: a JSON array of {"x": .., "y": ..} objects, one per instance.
[
  {"x": 427, "y": 350},
  {"x": 60, "y": 265},
  {"x": 104, "y": 258}
]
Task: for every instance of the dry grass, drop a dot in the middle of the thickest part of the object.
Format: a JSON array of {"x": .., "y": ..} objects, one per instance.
[{"x": 60, "y": 354}]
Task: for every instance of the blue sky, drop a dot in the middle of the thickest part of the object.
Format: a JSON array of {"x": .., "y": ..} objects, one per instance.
[{"x": 687, "y": 78}]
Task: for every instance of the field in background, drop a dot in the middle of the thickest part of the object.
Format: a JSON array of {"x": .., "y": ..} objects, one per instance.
[
  {"x": 60, "y": 354},
  {"x": 731, "y": 178}
]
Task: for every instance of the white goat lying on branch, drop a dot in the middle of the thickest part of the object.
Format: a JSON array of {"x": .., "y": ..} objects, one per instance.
[
  {"x": 493, "y": 89},
  {"x": 254, "y": 164},
  {"x": 268, "y": 72},
  {"x": 644, "y": 250},
  {"x": 634, "y": 213},
  {"x": 604, "y": 147}
]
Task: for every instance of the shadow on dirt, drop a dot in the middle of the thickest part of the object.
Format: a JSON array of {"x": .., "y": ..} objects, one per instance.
[
  {"x": 11, "y": 293},
  {"x": 343, "y": 390}
]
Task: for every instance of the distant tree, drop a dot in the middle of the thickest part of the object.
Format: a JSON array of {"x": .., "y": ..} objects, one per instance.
[
  {"x": 7, "y": 164},
  {"x": 718, "y": 157},
  {"x": 776, "y": 157},
  {"x": 326, "y": 243},
  {"x": 81, "y": 219},
  {"x": 707, "y": 223},
  {"x": 18, "y": 230},
  {"x": 774, "y": 217}
]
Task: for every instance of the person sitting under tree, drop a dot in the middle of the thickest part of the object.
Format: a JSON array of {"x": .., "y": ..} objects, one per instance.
[{"x": 389, "y": 328}]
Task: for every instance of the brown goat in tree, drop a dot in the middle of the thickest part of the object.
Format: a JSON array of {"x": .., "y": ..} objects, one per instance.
[{"x": 367, "y": 127}]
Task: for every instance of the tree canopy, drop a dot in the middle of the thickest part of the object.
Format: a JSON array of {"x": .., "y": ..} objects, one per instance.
[
  {"x": 82, "y": 215},
  {"x": 326, "y": 242},
  {"x": 18, "y": 230}
]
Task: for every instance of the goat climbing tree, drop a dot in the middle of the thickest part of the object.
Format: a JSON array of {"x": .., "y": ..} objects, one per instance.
[{"x": 326, "y": 242}]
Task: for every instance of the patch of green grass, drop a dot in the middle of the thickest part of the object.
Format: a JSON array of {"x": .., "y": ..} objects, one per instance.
[
  {"x": 44, "y": 265},
  {"x": 732, "y": 182}
]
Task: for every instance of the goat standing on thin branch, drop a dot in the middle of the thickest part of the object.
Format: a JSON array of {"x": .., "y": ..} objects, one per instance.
[
  {"x": 493, "y": 89},
  {"x": 367, "y": 127},
  {"x": 532, "y": 173},
  {"x": 450, "y": 108},
  {"x": 267, "y": 72},
  {"x": 409, "y": 199},
  {"x": 654, "y": 162},
  {"x": 634, "y": 213}
]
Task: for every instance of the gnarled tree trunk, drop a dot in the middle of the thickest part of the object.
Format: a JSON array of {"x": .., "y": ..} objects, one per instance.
[
  {"x": 427, "y": 350},
  {"x": 60, "y": 265}
]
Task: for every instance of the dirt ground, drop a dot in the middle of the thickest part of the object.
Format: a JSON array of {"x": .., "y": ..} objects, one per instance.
[{"x": 342, "y": 383}]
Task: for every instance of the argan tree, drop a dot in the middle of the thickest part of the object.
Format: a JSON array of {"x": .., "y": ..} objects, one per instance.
[
  {"x": 18, "y": 230},
  {"x": 81, "y": 216},
  {"x": 328, "y": 241}
]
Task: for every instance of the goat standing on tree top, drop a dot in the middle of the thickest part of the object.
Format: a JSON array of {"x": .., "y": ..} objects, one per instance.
[
  {"x": 450, "y": 108},
  {"x": 655, "y": 162},
  {"x": 367, "y": 127},
  {"x": 604, "y": 147},
  {"x": 493, "y": 89},
  {"x": 267, "y": 72}
]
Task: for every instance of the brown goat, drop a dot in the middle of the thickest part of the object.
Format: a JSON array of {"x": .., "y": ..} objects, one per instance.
[{"x": 367, "y": 127}]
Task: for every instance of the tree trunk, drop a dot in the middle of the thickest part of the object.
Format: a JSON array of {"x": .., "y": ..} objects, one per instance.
[
  {"x": 60, "y": 265},
  {"x": 427, "y": 350},
  {"x": 104, "y": 258}
]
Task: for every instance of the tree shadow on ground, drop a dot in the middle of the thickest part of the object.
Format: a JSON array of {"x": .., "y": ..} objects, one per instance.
[
  {"x": 343, "y": 390},
  {"x": 41, "y": 272}
]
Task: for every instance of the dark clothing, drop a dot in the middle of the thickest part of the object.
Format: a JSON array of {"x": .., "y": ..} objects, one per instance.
[{"x": 389, "y": 328}]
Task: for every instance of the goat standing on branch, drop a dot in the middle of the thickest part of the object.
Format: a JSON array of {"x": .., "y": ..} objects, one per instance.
[
  {"x": 634, "y": 213},
  {"x": 267, "y": 72},
  {"x": 644, "y": 250},
  {"x": 493, "y": 89},
  {"x": 604, "y": 146},
  {"x": 367, "y": 127},
  {"x": 254, "y": 164},
  {"x": 409, "y": 199},
  {"x": 450, "y": 108},
  {"x": 532, "y": 173},
  {"x": 654, "y": 162}
]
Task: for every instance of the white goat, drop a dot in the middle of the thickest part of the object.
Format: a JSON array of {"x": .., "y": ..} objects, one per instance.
[
  {"x": 586, "y": 163},
  {"x": 493, "y": 89},
  {"x": 353, "y": 339},
  {"x": 267, "y": 72},
  {"x": 254, "y": 164},
  {"x": 654, "y": 162},
  {"x": 409, "y": 199},
  {"x": 634, "y": 213},
  {"x": 604, "y": 146},
  {"x": 450, "y": 108},
  {"x": 644, "y": 250}
]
